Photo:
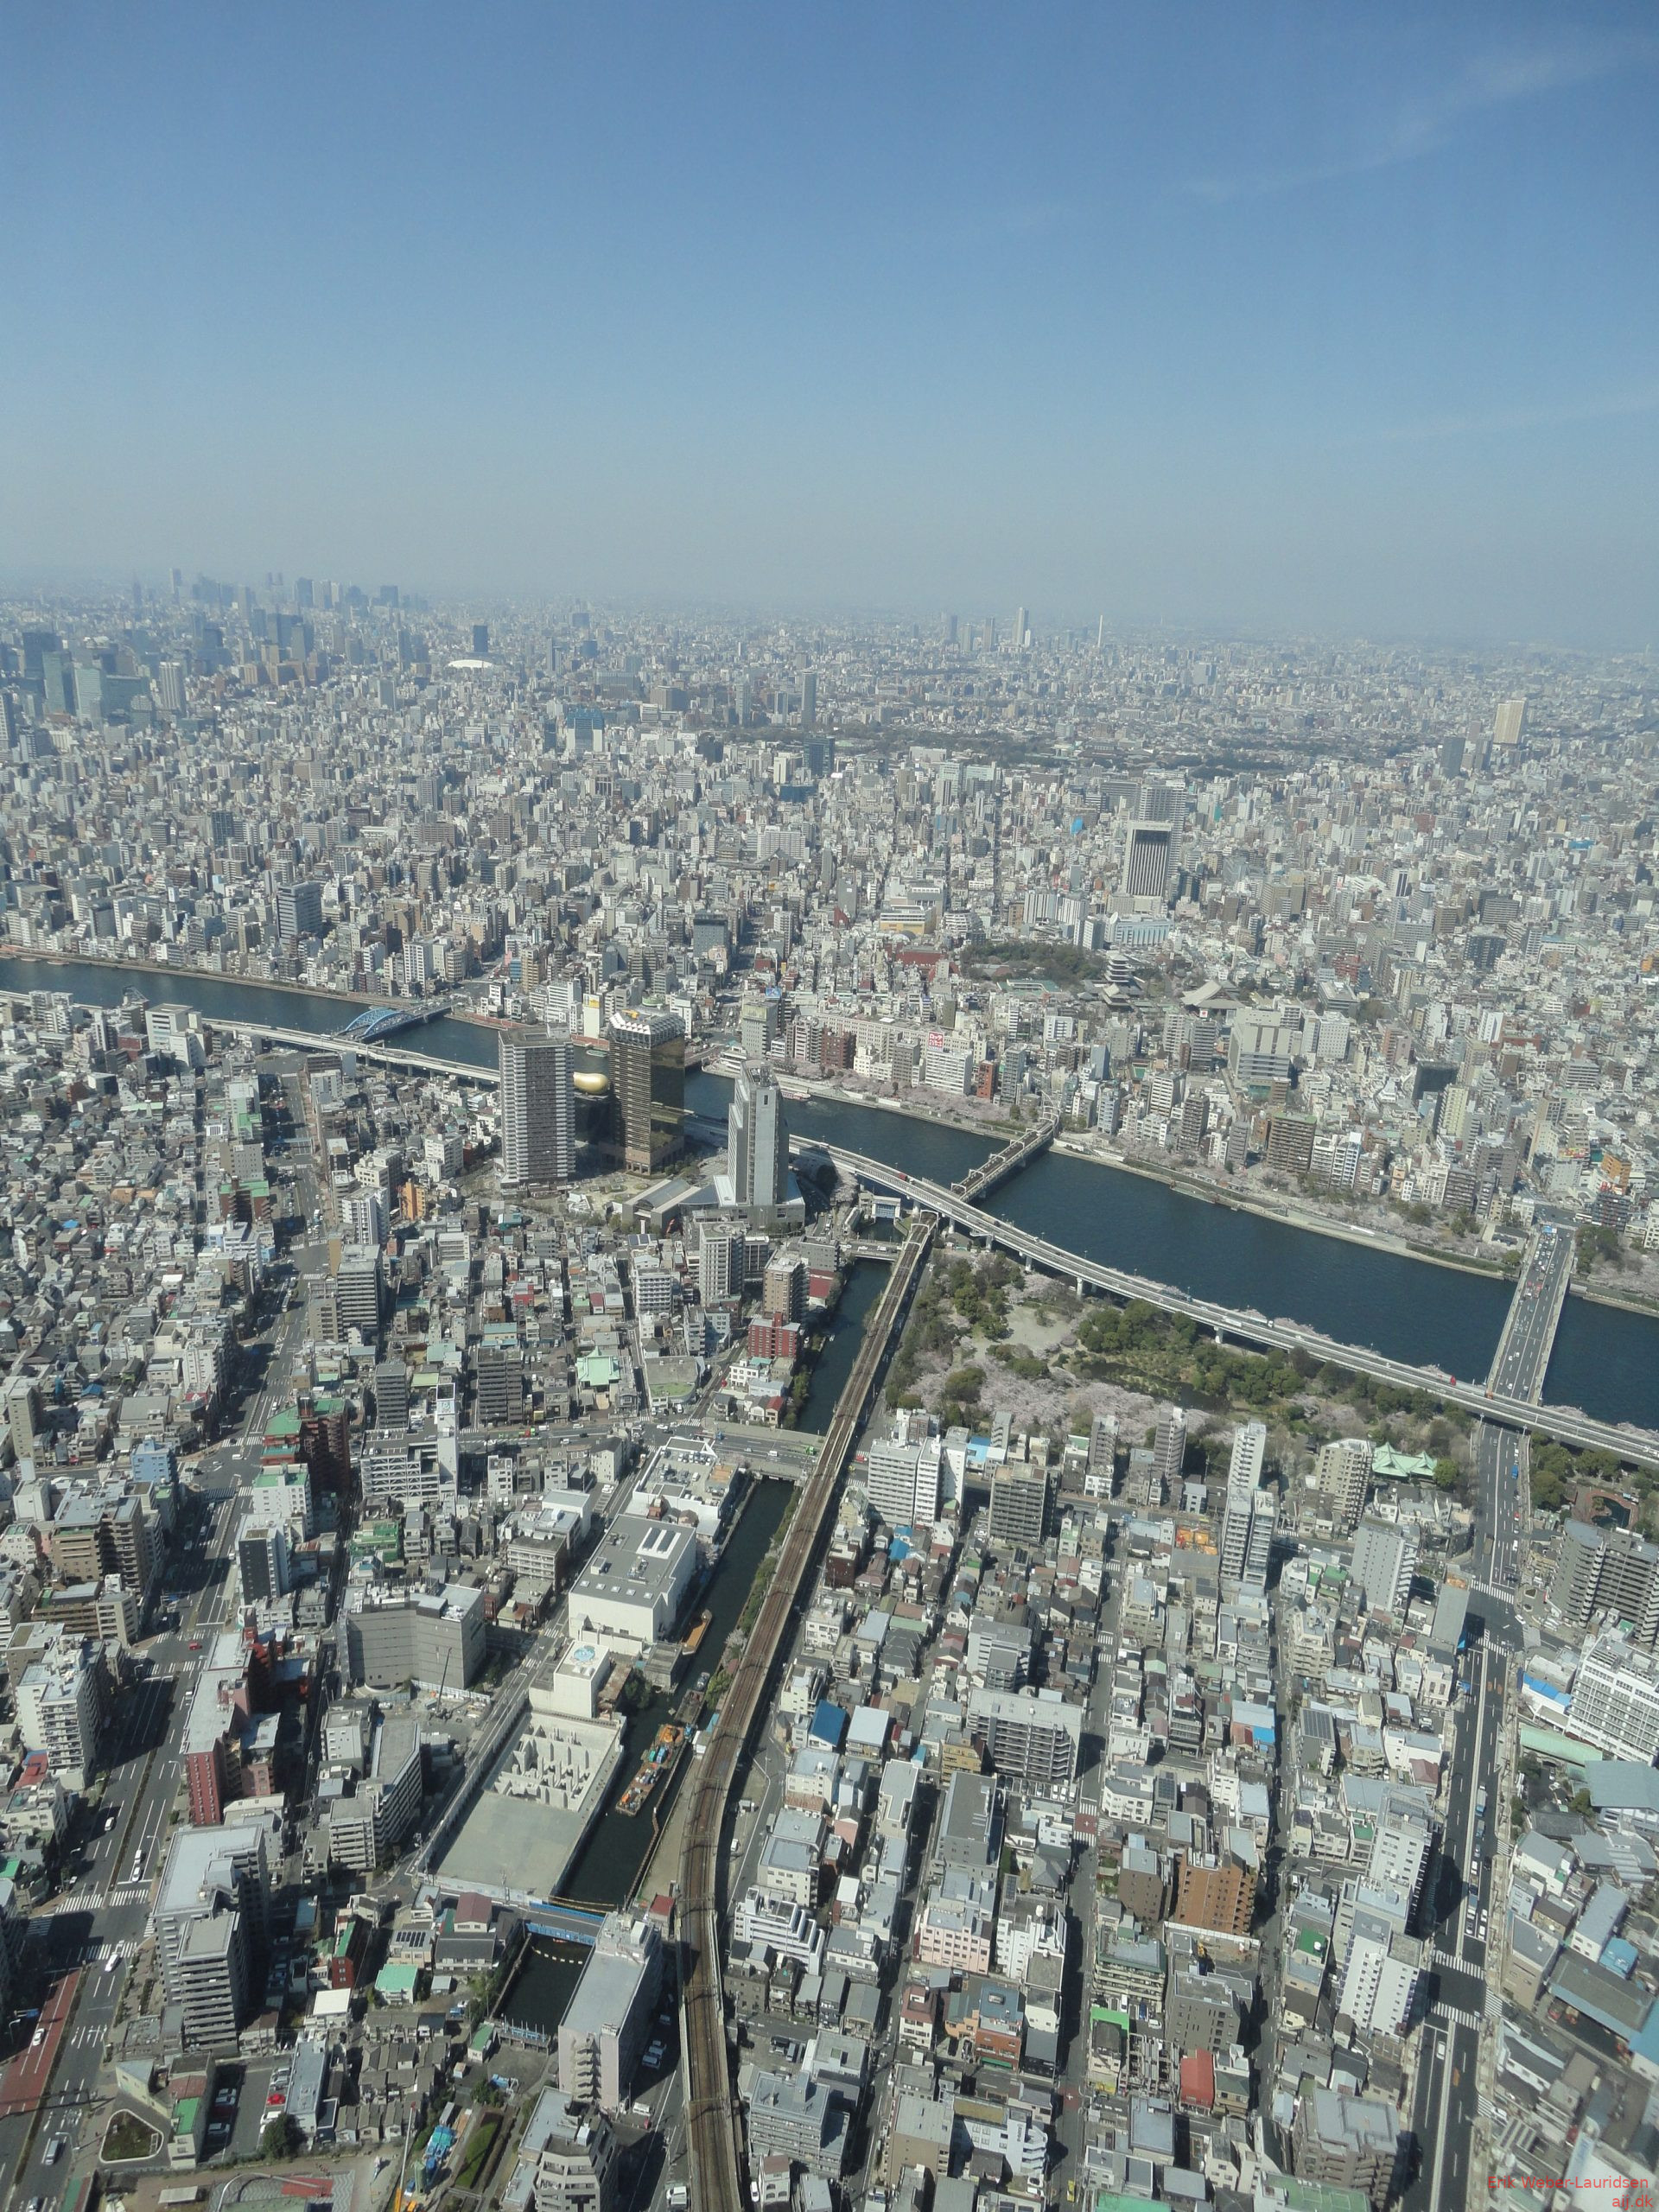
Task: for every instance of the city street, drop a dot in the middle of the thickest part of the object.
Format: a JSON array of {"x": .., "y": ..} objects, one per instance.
[{"x": 99, "y": 1921}]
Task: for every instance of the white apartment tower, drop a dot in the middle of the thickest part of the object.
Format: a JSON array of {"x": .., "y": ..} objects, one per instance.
[{"x": 1250, "y": 1515}]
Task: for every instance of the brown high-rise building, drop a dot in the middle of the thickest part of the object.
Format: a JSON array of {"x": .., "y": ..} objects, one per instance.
[
  {"x": 1215, "y": 1892},
  {"x": 648, "y": 1088}
]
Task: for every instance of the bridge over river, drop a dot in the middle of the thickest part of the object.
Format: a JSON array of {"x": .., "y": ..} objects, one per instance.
[{"x": 1509, "y": 1397}]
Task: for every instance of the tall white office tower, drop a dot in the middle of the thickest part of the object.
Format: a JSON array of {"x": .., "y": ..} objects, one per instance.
[
  {"x": 757, "y": 1142},
  {"x": 538, "y": 1111},
  {"x": 1506, "y": 723}
]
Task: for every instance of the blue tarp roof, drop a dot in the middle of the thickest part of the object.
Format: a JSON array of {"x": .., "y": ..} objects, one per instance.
[{"x": 828, "y": 1724}]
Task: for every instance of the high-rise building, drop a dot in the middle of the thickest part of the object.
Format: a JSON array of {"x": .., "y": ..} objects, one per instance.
[
  {"x": 262, "y": 1562},
  {"x": 1103, "y": 1452},
  {"x": 432, "y": 1638},
  {"x": 1380, "y": 1979},
  {"x": 1350, "y": 2142},
  {"x": 210, "y": 1920},
  {"x": 1608, "y": 1570},
  {"x": 1168, "y": 1455},
  {"x": 757, "y": 1025},
  {"x": 607, "y": 2022},
  {"x": 1402, "y": 1842},
  {"x": 358, "y": 1290},
  {"x": 481, "y": 641},
  {"x": 1217, "y": 1889},
  {"x": 1343, "y": 1472},
  {"x": 1506, "y": 724},
  {"x": 1021, "y": 629},
  {"x": 299, "y": 911},
  {"x": 1616, "y": 1701},
  {"x": 574, "y": 2154},
  {"x": 757, "y": 1142},
  {"x": 58, "y": 678},
  {"x": 648, "y": 1088},
  {"x": 21, "y": 1398},
  {"x": 1018, "y": 1504},
  {"x": 60, "y": 1702},
  {"x": 1243, "y": 1549},
  {"x": 1149, "y": 857},
  {"x": 169, "y": 686},
  {"x": 902, "y": 1480},
  {"x": 1034, "y": 1735},
  {"x": 809, "y": 699},
  {"x": 538, "y": 1109},
  {"x": 719, "y": 1262},
  {"x": 1385, "y": 1558}
]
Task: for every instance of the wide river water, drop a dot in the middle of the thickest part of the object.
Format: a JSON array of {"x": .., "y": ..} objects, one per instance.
[{"x": 1606, "y": 1361}]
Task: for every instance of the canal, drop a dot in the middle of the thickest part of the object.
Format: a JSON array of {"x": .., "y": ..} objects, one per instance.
[
  {"x": 607, "y": 1869},
  {"x": 861, "y": 1294},
  {"x": 1606, "y": 1361}
]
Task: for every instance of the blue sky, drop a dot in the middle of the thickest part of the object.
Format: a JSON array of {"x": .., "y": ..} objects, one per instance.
[{"x": 1319, "y": 318}]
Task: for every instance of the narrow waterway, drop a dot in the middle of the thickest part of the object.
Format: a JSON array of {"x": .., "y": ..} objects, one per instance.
[
  {"x": 860, "y": 1296},
  {"x": 607, "y": 1869},
  {"x": 1606, "y": 1361}
]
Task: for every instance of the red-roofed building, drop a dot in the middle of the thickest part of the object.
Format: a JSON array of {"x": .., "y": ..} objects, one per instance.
[{"x": 1198, "y": 2082}]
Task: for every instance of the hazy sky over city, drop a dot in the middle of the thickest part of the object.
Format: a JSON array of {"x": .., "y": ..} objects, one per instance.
[{"x": 1327, "y": 317}]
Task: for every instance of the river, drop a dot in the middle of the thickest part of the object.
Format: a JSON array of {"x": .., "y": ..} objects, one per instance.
[{"x": 1606, "y": 1361}]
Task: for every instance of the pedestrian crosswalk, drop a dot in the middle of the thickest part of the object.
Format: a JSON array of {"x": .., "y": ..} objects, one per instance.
[
  {"x": 96, "y": 1901},
  {"x": 1458, "y": 2017}
]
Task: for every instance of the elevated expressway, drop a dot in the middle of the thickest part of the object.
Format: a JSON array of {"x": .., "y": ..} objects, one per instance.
[{"x": 1499, "y": 1401}]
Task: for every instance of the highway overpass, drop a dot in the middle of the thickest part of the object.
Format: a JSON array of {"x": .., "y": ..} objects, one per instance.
[{"x": 1511, "y": 1408}]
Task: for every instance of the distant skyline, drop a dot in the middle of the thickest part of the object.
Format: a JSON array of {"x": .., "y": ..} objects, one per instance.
[{"x": 1277, "y": 318}]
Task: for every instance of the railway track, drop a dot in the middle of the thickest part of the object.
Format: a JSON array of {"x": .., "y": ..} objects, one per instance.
[{"x": 711, "y": 2112}]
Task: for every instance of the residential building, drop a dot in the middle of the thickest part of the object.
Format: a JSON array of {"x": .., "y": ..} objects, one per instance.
[
  {"x": 1616, "y": 1701},
  {"x": 1385, "y": 1560},
  {"x": 538, "y": 1109},
  {"x": 608, "y": 2023}
]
